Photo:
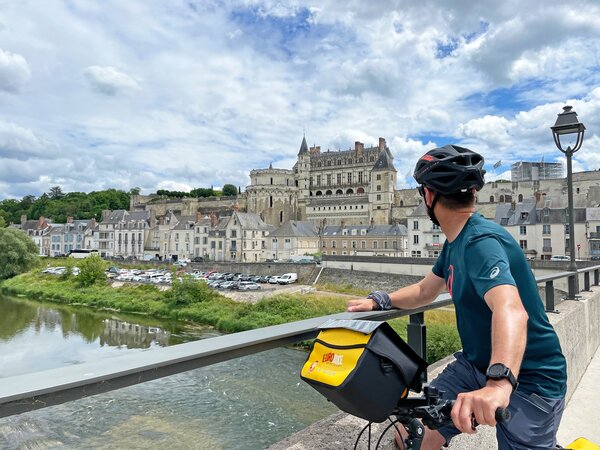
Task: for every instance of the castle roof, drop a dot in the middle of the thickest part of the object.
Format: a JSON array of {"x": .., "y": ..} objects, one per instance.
[
  {"x": 384, "y": 161},
  {"x": 303, "y": 147}
]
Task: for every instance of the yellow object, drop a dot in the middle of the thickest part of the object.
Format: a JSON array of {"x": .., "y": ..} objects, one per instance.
[
  {"x": 582, "y": 444},
  {"x": 332, "y": 365}
]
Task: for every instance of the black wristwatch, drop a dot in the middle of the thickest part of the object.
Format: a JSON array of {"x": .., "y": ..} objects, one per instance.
[{"x": 499, "y": 371}]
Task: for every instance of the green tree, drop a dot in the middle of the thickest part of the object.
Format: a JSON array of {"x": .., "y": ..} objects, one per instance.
[
  {"x": 135, "y": 191},
  {"x": 91, "y": 270},
  {"x": 2, "y": 223},
  {"x": 18, "y": 253},
  {"x": 229, "y": 189},
  {"x": 56, "y": 192}
]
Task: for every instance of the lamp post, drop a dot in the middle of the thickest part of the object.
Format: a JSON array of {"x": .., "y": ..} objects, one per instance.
[{"x": 567, "y": 124}]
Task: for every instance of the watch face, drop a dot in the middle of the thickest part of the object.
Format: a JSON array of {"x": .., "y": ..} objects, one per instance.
[{"x": 497, "y": 370}]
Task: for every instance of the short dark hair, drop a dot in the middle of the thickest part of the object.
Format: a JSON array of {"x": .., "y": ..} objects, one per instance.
[{"x": 458, "y": 200}]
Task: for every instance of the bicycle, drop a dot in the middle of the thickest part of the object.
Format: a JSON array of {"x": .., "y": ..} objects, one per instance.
[{"x": 433, "y": 412}]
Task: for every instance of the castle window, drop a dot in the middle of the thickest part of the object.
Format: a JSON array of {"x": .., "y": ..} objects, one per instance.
[
  {"x": 520, "y": 198},
  {"x": 349, "y": 191},
  {"x": 339, "y": 192},
  {"x": 349, "y": 177},
  {"x": 280, "y": 216},
  {"x": 319, "y": 193},
  {"x": 328, "y": 163},
  {"x": 491, "y": 199},
  {"x": 270, "y": 201},
  {"x": 339, "y": 162},
  {"x": 271, "y": 180},
  {"x": 328, "y": 192},
  {"x": 360, "y": 191},
  {"x": 379, "y": 176}
]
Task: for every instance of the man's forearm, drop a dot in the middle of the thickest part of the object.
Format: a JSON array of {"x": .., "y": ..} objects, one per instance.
[{"x": 418, "y": 294}]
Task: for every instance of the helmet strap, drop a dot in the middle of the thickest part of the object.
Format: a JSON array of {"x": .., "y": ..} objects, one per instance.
[{"x": 430, "y": 212}]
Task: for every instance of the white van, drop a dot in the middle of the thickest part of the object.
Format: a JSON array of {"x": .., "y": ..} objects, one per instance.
[
  {"x": 288, "y": 278},
  {"x": 560, "y": 258}
]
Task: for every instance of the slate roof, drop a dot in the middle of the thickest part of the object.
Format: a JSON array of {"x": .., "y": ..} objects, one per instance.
[
  {"x": 250, "y": 221},
  {"x": 384, "y": 161},
  {"x": 303, "y": 147},
  {"x": 121, "y": 215},
  {"x": 373, "y": 230},
  {"x": 296, "y": 228}
]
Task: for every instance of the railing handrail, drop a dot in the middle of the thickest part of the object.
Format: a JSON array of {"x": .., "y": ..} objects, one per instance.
[{"x": 28, "y": 392}]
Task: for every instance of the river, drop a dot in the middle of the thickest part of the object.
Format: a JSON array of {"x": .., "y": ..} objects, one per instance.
[{"x": 246, "y": 403}]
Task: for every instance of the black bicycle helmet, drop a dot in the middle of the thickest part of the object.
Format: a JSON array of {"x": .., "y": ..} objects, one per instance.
[{"x": 450, "y": 169}]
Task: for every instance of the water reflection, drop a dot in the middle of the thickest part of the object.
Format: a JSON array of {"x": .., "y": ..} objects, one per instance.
[
  {"x": 36, "y": 336},
  {"x": 246, "y": 403}
]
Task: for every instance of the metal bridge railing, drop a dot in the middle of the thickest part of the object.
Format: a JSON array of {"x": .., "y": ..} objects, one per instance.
[{"x": 28, "y": 392}]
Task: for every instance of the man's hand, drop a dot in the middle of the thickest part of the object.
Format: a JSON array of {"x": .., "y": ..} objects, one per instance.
[
  {"x": 481, "y": 404},
  {"x": 361, "y": 304}
]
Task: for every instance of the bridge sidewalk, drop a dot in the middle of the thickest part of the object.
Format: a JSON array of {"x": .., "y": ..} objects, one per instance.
[{"x": 582, "y": 414}]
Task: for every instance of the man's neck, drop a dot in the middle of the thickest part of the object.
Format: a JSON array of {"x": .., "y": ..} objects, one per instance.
[{"x": 453, "y": 221}]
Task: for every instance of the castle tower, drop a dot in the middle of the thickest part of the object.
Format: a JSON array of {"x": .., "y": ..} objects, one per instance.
[
  {"x": 382, "y": 186},
  {"x": 302, "y": 176}
]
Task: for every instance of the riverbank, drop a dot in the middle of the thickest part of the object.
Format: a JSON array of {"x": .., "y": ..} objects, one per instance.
[{"x": 192, "y": 301}]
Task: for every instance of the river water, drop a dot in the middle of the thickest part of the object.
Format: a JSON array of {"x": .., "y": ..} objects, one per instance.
[{"x": 247, "y": 403}]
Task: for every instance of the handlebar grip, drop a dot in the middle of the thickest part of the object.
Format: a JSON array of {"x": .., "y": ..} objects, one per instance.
[{"x": 503, "y": 415}]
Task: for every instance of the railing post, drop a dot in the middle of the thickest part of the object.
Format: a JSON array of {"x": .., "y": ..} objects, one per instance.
[
  {"x": 586, "y": 281},
  {"x": 550, "y": 297},
  {"x": 417, "y": 334},
  {"x": 596, "y": 277}
]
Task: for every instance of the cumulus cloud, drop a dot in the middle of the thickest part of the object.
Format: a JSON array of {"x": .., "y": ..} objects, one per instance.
[
  {"x": 108, "y": 80},
  {"x": 14, "y": 71},
  {"x": 17, "y": 142}
]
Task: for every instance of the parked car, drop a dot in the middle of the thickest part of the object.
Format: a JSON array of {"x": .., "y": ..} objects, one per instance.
[
  {"x": 560, "y": 258},
  {"x": 197, "y": 259},
  {"x": 226, "y": 285},
  {"x": 288, "y": 278},
  {"x": 274, "y": 279},
  {"x": 248, "y": 286},
  {"x": 264, "y": 279},
  {"x": 595, "y": 258}
]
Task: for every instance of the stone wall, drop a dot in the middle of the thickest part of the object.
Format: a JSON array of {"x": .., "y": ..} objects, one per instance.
[{"x": 367, "y": 280}]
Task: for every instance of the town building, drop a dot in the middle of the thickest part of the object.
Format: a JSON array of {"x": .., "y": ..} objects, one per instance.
[
  {"x": 293, "y": 238},
  {"x": 364, "y": 240}
]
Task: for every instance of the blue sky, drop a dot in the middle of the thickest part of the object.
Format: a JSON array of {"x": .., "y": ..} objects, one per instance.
[{"x": 185, "y": 94}]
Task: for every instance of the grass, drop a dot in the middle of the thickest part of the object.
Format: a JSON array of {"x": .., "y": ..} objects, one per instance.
[{"x": 196, "y": 302}]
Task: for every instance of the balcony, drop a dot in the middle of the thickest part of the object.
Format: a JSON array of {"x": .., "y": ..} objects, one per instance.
[
  {"x": 547, "y": 249},
  {"x": 594, "y": 235}
]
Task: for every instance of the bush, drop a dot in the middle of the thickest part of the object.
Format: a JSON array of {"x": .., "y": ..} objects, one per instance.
[
  {"x": 189, "y": 291},
  {"x": 18, "y": 253},
  {"x": 91, "y": 270}
]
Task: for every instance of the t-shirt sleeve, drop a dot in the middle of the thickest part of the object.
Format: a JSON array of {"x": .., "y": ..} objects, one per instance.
[
  {"x": 438, "y": 267},
  {"x": 487, "y": 264}
]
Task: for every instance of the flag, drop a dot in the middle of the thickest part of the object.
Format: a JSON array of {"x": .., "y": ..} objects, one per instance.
[{"x": 498, "y": 164}]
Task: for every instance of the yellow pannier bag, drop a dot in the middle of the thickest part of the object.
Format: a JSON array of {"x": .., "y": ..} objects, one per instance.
[
  {"x": 363, "y": 367},
  {"x": 582, "y": 444}
]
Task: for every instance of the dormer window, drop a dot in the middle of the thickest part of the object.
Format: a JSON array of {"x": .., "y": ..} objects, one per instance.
[{"x": 524, "y": 215}]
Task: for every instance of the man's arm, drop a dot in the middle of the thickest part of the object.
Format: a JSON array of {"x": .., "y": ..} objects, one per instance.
[
  {"x": 509, "y": 335},
  {"x": 408, "y": 297}
]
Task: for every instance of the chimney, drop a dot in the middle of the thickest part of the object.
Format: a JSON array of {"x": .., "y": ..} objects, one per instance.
[
  {"x": 381, "y": 144},
  {"x": 314, "y": 150},
  {"x": 70, "y": 219},
  {"x": 198, "y": 216},
  {"x": 23, "y": 219},
  {"x": 358, "y": 146},
  {"x": 513, "y": 205},
  {"x": 213, "y": 219},
  {"x": 41, "y": 222},
  {"x": 92, "y": 224},
  {"x": 105, "y": 214}
]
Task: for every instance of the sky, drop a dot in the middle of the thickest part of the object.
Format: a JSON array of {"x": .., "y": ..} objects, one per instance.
[{"x": 181, "y": 94}]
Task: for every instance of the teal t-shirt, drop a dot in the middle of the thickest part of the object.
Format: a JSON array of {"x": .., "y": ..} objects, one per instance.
[{"x": 485, "y": 255}]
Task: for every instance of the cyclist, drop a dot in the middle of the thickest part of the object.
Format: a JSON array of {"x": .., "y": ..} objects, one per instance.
[{"x": 511, "y": 356}]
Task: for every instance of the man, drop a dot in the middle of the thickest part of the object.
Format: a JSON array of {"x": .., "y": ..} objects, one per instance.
[{"x": 511, "y": 355}]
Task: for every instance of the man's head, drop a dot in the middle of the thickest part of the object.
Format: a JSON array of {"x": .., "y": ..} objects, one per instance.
[{"x": 452, "y": 173}]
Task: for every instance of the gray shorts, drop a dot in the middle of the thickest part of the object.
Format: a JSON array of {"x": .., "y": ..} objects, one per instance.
[{"x": 535, "y": 419}]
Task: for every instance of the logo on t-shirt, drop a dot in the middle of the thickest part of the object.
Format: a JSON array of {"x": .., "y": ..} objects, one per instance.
[{"x": 494, "y": 273}]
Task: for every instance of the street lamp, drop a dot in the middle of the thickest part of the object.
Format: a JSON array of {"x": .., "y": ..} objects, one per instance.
[{"x": 567, "y": 124}]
